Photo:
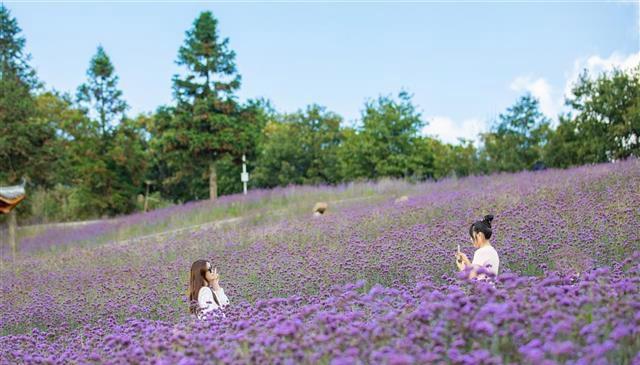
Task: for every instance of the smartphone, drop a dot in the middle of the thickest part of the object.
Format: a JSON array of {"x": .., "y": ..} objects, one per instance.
[{"x": 458, "y": 248}]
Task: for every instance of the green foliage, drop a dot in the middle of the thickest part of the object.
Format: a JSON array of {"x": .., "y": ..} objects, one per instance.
[
  {"x": 58, "y": 204},
  {"x": 449, "y": 160},
  {"x": 100, "y": 93},
  {"x": 607, "y": 120},
  {"x": 462, "y": 159},
  {"x": 300, "y": 148},
  {"x": 518, "y": 138},
  {"x": 27, "y": 142},
  {"x": 386, "y": 141},
  {"x": 107, "y": 154},
  {"x": 207, "y": 125},
  {"x": 127, "y": 159},
  {"x": 14, "y": 62},
  {"x": 156, "y": 201},
  {"x": 564, "y": 145},
  {"x": 349, "y": 153},
  {"x": 171, "y": 179},
  {"x": 180, "y": 177},
  {"x": 87, "y": 159},
  {"x": 212, "y": 76}
]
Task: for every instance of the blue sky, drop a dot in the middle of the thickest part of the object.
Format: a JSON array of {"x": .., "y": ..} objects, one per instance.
[{"x": 464, "y": 62}]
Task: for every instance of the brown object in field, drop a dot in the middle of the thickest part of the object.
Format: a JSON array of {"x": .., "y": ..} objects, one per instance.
[
  {"x": 402, "y": 199},
  {"x": 10, "y": 196},
  {"x": 320, "y": 208}
]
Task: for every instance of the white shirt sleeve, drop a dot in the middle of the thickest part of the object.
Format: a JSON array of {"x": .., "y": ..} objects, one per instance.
[{"x": 206, "y": 301}]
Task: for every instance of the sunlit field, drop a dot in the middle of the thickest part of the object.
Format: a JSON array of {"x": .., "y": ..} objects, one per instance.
[{"x": 372, "y": 281}]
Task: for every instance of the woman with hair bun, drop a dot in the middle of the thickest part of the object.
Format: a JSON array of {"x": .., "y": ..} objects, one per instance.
[{"x": 485, "y": 256}]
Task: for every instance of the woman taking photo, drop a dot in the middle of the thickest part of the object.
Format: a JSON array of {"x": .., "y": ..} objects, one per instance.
[
  {"x": 485, "y": 256},
  {"x": 205, "y": 293}
]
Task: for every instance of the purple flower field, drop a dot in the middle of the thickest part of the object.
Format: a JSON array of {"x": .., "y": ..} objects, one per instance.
[
  {"x": 372, "y": 282},
  {"x": 173, "y": 217}
]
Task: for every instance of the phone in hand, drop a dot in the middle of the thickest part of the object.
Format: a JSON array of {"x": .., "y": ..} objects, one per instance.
[{"x": 459, "y": 257}]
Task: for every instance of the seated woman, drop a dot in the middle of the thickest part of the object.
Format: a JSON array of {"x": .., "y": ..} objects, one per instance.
[
  {"x": 485, "y": 256},
  {"x": 205, "y": 293}
]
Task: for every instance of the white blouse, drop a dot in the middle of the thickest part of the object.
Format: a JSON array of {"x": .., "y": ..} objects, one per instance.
[
  {"x": 207, "y": 302},
  {"x": 486, "y": 257}
]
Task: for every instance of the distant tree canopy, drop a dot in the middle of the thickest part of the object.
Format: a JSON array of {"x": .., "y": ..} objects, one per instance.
[
  {"x": 517, "y": 140},
  {"x": 84, "y": 157},
  {"x": 607, "y": 119},
  {"x": 387, "y": 141},
  {"x": 302, "y": 148},
  {"x": 108, "y": 150}
]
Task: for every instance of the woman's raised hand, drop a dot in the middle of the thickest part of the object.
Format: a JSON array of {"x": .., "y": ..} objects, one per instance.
[
  {"x": 462, "y": 260},
  {"x": 216, "y": 277}
]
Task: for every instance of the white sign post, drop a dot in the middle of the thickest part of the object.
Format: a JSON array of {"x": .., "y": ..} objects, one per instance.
[{"x": 244, "y": 176}]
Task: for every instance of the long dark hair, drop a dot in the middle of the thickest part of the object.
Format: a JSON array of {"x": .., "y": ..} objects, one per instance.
[
  {"x": 483, "y": 226},
  {"x": 196, "y": 282}
]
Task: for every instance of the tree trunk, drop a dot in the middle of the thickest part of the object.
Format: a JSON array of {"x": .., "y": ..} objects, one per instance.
[
  {"x": 213, "y": 182},
  {"x": 12, "y": 232},
  {"x": 146, "y": 199}
]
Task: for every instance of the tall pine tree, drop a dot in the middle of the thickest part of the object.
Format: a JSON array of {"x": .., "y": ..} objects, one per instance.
[
  {"x": 108, "y": 164},
  {"x": 100, "y": 94},
  {"x": 206, "y": 125},
  {"x": 27, "y": 143}
]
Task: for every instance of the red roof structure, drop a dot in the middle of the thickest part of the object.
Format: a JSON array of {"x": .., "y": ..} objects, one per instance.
[{"x": 10, "y": 196}]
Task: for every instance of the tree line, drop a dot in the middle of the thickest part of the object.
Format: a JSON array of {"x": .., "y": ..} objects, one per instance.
[{"x": 83, "y": 156}]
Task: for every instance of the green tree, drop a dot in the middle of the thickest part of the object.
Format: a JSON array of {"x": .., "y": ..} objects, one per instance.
[
  {"x": 108, "y": 150},
  {"x": 206, "y": 126},
  {"x": 385, "y": 142},
  {"x": 70, "y": 124},
  {"x": 441, "y": 153},
  {"x": 176, "y": 181},
  {"x": 517, "y": 140},
  {"x": 422, "y": 161},
  {"x": 277, "y": 160},
  {"x": 452, "y": 160},
  {"x": 463, "y": 159},
  {"x": 179, "y": 176},
  {"x": 564, "y": 146},
  {"x": 350, "y": 166},
  {"x": 300, "y": 148},
  {"x": 100, "y": 94},
  {"x": 607, "y": 116},
  {"x": 127, "y": 159},
  {"x": 27, "y": 143}
]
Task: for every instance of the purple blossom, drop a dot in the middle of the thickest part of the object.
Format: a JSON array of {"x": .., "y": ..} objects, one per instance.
[{"x": 372, "y": 282}]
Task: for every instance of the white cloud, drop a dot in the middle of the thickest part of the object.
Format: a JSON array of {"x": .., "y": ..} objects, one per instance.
[
  {"x": 596, "y": 65},
  {"x": 552, "y": 100},
  {"x": 541, "y": 90},
  {"x": 448, "y": 130}
]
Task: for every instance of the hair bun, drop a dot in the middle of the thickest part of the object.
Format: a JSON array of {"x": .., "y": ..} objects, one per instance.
[{"x": 487, "y": 220}]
